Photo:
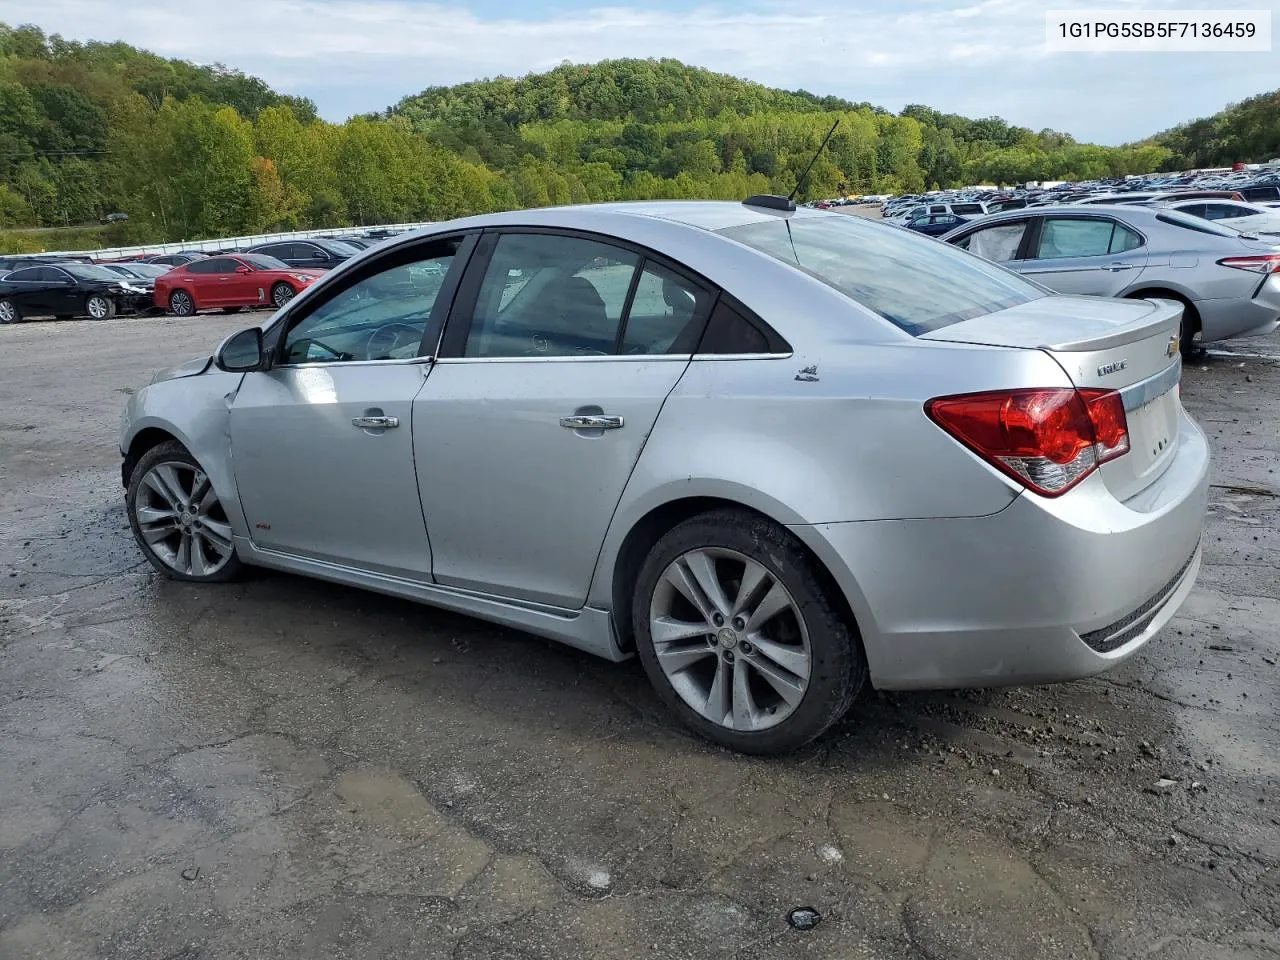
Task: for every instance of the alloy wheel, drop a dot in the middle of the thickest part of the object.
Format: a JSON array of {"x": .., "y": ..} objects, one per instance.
[
  {"x": 8, "y": 312},
  {"x": 282, "y": 294},
  {"x": 730, "y": 639},
  {"x": 98, "y": 308},
  {"x": 180, "y": 303},
  {"x": 182, "y": 521}
]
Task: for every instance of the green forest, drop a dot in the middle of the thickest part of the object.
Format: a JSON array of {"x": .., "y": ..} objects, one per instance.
[{"x": 191, "y": 152}]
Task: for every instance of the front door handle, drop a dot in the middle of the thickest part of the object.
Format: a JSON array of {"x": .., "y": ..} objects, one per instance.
[
  {"x": 1115, "y": 267},
  {"x": 592, "y": 421},
  {"x": 375, "y": 423}
]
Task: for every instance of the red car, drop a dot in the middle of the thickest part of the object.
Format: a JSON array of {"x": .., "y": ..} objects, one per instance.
[{"x": 244, "y": 280}]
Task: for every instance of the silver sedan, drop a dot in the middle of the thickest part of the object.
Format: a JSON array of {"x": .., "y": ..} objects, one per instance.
[
  {"x": 778, "y": 454},
  {"x": 1228, "y": 283}
]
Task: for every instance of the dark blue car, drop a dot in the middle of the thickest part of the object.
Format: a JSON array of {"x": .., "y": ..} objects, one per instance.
[{"x": 935, "y": 224}]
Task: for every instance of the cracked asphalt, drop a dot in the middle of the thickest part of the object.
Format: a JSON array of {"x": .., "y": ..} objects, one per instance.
[{"x": 281, "y": 767}]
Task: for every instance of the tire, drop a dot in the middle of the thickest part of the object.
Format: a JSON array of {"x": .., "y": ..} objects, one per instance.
[
  {"x": 183, "y": 532},
  {"x": 812, "y": 624},
  {"x": 181, "y": 304},
  {"x": 1190, "y": 326},
  {"x": 99, "y": 307},
  {"x": 9, "y": 312},
  {"x": 281, "y": 294}
]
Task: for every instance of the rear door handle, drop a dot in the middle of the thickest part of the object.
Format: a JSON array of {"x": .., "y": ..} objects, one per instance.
[
  {"x": 375, "y": 423},
  {"x": 594, "y": 421}
]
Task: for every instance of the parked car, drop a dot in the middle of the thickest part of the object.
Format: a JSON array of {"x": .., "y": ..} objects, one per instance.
[
  {"x": 319, "y": 253},
  {"x": 175, "y": 259},
  {"x": 245, "y": 280},
  {"x": 776, "y": 453},
  {"x": 1227, "y": 283},
  {"x": 114, "y": 218},
  {"x": 68, "y": 290},
  {"x": 936, "y": 224}
]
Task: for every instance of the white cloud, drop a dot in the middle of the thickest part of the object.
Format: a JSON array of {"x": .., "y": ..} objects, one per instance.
[{"x": 980, "y": 57}]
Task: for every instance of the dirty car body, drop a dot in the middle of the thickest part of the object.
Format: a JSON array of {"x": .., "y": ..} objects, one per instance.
[{"x": 774, "y": 452}]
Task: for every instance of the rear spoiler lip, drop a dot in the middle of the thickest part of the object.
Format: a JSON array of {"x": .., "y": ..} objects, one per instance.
[{"x": 1164, "y": 313}]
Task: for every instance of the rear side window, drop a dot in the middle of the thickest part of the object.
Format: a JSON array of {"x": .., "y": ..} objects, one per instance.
[
  {"x": 729, "y": 331},
  {"x": 999, "y": 242},
  {"x": 1177, "y": 219},
  {"x": 203, "y": 266},
  {"x": 914, "y": 282}
]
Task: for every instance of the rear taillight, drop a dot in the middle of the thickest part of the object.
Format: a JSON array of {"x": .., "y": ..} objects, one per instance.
[
  {"x": 1262, "y": 263},
  {"x": 1048, "y": 440}
]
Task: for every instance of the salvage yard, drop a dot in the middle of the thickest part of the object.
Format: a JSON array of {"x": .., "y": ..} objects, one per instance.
[{"x": 282, "y": 767}]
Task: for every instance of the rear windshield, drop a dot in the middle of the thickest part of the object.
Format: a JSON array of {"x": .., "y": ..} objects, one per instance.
[
  {"x": 1185, "y": 220},
  {"x": 966, "y": 208},
  {"x": 914, "y": 282}
]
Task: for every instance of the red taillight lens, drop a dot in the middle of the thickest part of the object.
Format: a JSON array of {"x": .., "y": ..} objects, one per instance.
[
  {"x": 1263, "y": 263},
  {"x": 1048, "y": 440}
]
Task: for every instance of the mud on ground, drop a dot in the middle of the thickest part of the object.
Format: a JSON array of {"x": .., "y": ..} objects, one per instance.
[{"x": 281, "y": 767}]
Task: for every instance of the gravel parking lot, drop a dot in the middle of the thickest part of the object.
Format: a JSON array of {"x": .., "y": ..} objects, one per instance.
[{"x": 281, "y": 767}]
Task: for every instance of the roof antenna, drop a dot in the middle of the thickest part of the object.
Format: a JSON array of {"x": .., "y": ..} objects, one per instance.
[
  {"x": 817, "y": 153},
  {"x": 788, "y": 203}
]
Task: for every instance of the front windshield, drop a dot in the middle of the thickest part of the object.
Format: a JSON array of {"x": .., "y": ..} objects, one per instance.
[
  {"x": 89, "y": 271},
  {"x": 914, "y": 282}
]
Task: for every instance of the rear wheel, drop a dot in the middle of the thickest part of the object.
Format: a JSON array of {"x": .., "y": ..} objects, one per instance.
[
  {"x": 281, "y": 294},
  {"x": 181, "y": 304},
  {"x": 742, "y": 634},
  {"x": 1189, "y": 331},
  {"x": 9, "y": 312},
  {"x": 177, "y": 519},
  {"x": 99, "y": 307}
]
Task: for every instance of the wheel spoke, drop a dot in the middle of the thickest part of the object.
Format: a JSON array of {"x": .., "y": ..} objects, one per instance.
[
  {"x": 201, "y": 491},
  {"x": 154, "y": 482},
  {"x": 792, "y": 659},
  {"x": 218, "y": 534},
  {"x": 182, "y": 558},
  {"x": 667, "y": 630},
  {"x": 196, "y": 548},
  {"x": 787, "y": 687},
  {"x": 745, "y": 710},
  {"x": 703, "y": 567},
  {"x": 774, "y": 602},
  {"x": 717, "y": 707},
  {"x": 753, "y": 577},
  {"x": 167, "y": 474},
  {"x": 679, "y": 576},
  {"x": 149, "y": 515},
  {"x": 676, "y": 659},
  {"x": 158, "y": 532}
]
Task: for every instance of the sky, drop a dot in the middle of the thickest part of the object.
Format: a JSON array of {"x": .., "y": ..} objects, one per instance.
[{"x": 977, "y": 58}]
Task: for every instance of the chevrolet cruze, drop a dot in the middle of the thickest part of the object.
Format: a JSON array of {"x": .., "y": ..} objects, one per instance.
[{"x": 778, "y": 454}]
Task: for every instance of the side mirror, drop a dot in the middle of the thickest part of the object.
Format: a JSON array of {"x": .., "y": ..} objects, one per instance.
[
  {"x": 243, "y": 269},
  {"x": 241, "y": 352}
]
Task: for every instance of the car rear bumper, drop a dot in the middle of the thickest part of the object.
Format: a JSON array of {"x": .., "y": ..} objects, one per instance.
[
  {"x": 1045, "y": 590},
  {"x": 1256, "y": 316}
]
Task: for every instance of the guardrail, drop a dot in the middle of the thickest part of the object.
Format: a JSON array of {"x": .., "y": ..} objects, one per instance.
[{"x": 226, "y": 243}]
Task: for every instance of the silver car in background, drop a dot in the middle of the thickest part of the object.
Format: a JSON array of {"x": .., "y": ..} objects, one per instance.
[
  {"x": 1227, "y": 282},
  {"x": 778, "y": 454}
]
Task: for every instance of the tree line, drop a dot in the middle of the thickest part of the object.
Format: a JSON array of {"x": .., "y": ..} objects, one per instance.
[{"x": 191, "y": 151}]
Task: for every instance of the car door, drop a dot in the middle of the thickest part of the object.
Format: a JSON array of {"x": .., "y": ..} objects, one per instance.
[
  {"x": 241, "y": 286},
  {"x": 535, "y": 414},
  {"x": 64, "y": 294},
  {"x": 310, "y": 255},
  {"x": 1095, "y": 256},
  {"x": 29, "y": 291},
  {"x": 322, "y": 442},
  {"x": 217, "y": 283},
  {"x": 281, "y": 251}
]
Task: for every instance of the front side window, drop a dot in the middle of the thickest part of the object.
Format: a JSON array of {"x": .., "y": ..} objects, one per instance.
[
  {"x": 546, "y": 295},
  {"x": 914, "y": 282},
  {"x": 1061, "y": 238},
  {"x": 998, "y": 243},
  {"x": 380, "y": 317}
]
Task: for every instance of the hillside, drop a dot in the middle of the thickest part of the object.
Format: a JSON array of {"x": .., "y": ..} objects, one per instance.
[
  {"x": 192, "y": 151},
  {"x": 1248, "y": 131}
]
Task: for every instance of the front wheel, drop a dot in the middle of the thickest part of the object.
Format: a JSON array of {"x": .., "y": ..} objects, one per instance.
[
  {"x": 177, "y": 518},
  {"x": 281, "y": 294},
  {"x": 99, "y": 307},
  {"x": 742, "y": 634},
  {"x": 9, "y": 312}
]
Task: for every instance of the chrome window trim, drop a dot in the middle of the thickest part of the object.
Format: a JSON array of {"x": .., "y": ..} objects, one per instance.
[
  {"x": 404, "y": 361},
  {"x": 614, "y": 358},
  {"x": 1138, "y": 395}
]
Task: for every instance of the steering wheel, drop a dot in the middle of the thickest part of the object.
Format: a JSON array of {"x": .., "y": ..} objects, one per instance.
[
  {"x": 390, "y": 337},
  {"x": 310, "y": 342}
]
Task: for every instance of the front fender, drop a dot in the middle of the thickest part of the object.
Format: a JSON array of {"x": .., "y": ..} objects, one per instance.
[{"x": 195, "y": 411}]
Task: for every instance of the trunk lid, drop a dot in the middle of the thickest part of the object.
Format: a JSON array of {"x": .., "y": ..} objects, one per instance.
[{"x": 1126, "y": 345}]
